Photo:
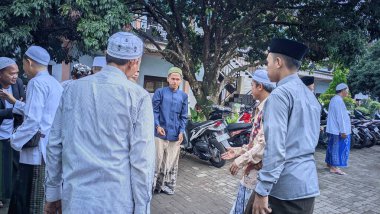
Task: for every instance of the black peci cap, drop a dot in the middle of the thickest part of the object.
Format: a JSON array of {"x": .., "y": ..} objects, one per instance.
[
  {"x": 307, "y": 80},
  {"x": 289, "y": 48}
]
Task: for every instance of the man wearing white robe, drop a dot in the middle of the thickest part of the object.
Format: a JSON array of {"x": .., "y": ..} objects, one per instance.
[
  {"x": 102, "y": 141},
  {"x": 339, "y": 130}
]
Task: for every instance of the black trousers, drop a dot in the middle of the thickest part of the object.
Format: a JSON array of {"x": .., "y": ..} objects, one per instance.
[
  {"x": 300, "y": 206},
  {"x": 21, "y": 194},
  {"x": 9, "y": 164}
]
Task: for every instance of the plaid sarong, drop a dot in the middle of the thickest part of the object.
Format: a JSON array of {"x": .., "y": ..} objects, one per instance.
[
  {"x": 37, "y": 197},
  {"x": 28, "y": 194}
]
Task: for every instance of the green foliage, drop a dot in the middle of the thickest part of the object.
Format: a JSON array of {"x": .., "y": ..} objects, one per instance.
[
  {"x": 371, "y": 105},
  {"x": 346, "y": 47},
  {"x": 339, "y": 76},
  {"x": 197, "y": 116},
  {"x": 350, "y": 103},
  {"x": 67, "y": 29},
  {"x": 374, "y": 106},
  {"x": 233, "y": 118},
  {"x": 363, "y": 110},
  {"x": 365, "y": 74},
  {"x": 334, "y": 30},
  {"x": 324, "y": 99}
]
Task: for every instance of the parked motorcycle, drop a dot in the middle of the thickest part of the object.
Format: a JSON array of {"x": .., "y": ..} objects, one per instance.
[
  {"x": 239, "y": 133},
  {"x": 365, "y": 131},
  {"x": 323, "y": 137},
  {"x": 219, "y": 112},
  {"x": 207, "y": 140}
]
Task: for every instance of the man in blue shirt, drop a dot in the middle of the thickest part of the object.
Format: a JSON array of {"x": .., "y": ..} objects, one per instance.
[
  {"x": 170, "y": 117},
  {"x": 288, "y": 180}
]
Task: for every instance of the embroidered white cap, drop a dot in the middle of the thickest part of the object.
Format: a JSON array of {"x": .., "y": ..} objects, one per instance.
[{"x": 125, "y": 45}]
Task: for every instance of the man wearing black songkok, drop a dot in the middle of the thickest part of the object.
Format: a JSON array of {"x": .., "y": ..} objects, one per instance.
[{"x": 288, "y": 180}]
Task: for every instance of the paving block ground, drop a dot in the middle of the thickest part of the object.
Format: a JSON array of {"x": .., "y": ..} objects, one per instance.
[{"x": 205, "y": 189}]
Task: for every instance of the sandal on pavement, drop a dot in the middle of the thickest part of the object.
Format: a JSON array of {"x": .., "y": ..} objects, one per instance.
[
  {"x": 1, "y": 204},
  {"x": 167, "y": 190},
  {"x": 337, "y": 171}
]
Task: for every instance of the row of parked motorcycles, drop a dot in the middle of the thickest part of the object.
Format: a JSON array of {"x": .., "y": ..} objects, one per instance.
[
  {"x": 209, "y": 140},
  {"x": 365, "y": 130}
]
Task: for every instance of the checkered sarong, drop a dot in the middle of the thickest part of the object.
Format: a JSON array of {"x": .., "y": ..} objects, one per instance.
[{"x": 37, "y": 198}]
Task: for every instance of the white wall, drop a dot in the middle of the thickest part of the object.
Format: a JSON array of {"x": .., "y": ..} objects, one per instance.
[
  {"x": 321, "y": 86},
  {"x": 56, "y": 71},
  {"x": 153, "y": 66}
]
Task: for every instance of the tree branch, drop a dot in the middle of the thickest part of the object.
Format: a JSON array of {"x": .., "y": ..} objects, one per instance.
[
  {"x": 242, "y": 68},
  {"x": 148, "y": 37}
]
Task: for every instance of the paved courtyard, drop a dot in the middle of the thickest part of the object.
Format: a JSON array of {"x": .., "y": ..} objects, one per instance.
[{"x": 205, "y": 189}]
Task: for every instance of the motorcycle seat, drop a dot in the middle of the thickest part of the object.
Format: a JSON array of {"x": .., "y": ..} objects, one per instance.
[
  {"x": 192, "y": 125},
  {"x": 238, "y": 126}
]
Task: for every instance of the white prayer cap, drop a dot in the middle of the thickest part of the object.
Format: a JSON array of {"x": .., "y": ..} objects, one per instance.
[
  {"x": 124, "y": 45},
  {"x": 38, "y": 54},
  {"x": 261, "y": 76},
  {"x": 5, "y": 62},
  {"x": 99, "y": 61},
  {"x": 341, "y": 87}
]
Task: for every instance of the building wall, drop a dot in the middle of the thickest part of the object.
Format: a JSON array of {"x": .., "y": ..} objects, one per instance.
[
  {"x": 321, "y": 86},
  {"x": 152, "y": 65}
]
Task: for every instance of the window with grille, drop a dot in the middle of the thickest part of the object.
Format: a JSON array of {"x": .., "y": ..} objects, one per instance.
[{"x": 152, "y": 83}]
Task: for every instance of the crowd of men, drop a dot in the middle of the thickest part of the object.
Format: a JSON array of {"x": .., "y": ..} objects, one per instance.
[{"x": 100, "y": 144}]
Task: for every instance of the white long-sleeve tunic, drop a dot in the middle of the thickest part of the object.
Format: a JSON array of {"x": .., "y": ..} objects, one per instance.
[{"x": 101, "y": 146}]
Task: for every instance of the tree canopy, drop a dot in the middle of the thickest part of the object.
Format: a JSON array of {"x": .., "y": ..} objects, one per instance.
[
  {"x": 207, "y": 33},
  {"x": 365, "y": 74},
  {"x": 210, "y": 32},
  {"x": 67, "y": 29}
]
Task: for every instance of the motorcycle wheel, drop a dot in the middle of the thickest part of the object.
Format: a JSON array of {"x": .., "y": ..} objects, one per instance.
[
  {"x": 358, "y": 144},
  {"x": 217, "y": 149},
  {"x": 367, "y": 142},
  {"x": 371, "y": 142},
  {"x": 354, "y": 141},
  {"x": 323, "y": 140}
]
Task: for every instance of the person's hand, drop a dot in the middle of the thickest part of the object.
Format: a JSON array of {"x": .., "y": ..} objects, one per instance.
[
  {"x": 180, "y": 138},
  {"x": 161, "y": 131},
  {"x": 343, "y": 135},
  {"x": 9, "y": 97},
  {"x": 250, "y": 167},
  {"x": 229, "y": 154},
  {"x": 234, "y": 168},
  {"x": 53, "y": 207},
  {"x": 260, "y": 205}
]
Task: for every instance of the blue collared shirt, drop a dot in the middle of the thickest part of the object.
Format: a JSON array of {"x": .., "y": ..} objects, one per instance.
[
  {"x": 338, "y": 120},
  {"x": 170, "y": 112},
  {"x": 291, "y": 128}
]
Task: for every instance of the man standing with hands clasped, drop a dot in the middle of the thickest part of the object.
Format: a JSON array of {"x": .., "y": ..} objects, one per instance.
[
  {"x": 170, "y": 117},
  {"x": 288, "y": 180}
]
